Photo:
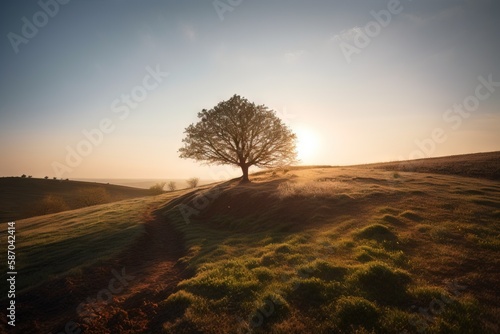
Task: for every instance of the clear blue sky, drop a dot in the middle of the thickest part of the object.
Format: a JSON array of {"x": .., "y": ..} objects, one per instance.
[{"x": 359, "y": 81}]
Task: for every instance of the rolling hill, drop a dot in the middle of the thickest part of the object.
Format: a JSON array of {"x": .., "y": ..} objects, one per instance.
[
  {"x": 481, "y": 165},
  {"x": 361, "y": 249},
  {"x": 27, "y": 197}
]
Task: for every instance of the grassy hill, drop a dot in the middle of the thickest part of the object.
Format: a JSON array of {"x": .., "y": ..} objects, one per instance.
[
  {"x": 309, "y": 250},
  {"x": 27, "y": 197},
  {"x": 482, "y": 165}
]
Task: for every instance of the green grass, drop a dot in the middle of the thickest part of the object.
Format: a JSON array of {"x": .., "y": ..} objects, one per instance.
[
  {"x": 377, "y": 232},
  {"x": 363, "y": 267},
  {"x": 352, "y": 312},
  {"x": 28, "y": 197},
  {"x": 323, "y": 250},
  {"x": 380, "y": 283},
  {"x": 56, "y": 244}
]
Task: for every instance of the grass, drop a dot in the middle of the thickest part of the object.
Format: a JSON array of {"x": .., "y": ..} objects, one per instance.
[
  {"x": 28, "y": 197},
  {"x": 352, "y": 312},
  {"x": 324, "y": 250},
  {"x": 348, "y": 261},
  {"x": 45, "y": 248},
  {"x": 480, "y": 165},
  {"x": 381, "y": 283},
  {"x": 377, "y": 232}
]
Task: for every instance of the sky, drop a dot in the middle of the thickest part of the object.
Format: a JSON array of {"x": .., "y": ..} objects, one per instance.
[{"x": 105, "y": 89}]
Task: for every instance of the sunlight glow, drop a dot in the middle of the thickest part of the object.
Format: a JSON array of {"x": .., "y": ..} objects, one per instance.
[{"x": 307, "y": 145}]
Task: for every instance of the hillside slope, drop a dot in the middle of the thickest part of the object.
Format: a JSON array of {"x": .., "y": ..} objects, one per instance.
[
  {"x": 482, "y": 165},
  {"x": 63, "y": 259},
  {"x": 304, "y": 250},
  {"x": 339, "y": 250},
  {"x": 23, "y": 197}
]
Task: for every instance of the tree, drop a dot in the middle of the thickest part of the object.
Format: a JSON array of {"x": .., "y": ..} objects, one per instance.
[
  {"x": 193, "y": 182},
  {"x": 237, "y": 132},
  {"x": 171, "y": 186},
  {"x": 157, "y": 188}
]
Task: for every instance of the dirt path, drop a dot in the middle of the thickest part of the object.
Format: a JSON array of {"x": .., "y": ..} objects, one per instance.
[
  {"x": 129, "y": 289},
  {"x": 152, "y": 274}
]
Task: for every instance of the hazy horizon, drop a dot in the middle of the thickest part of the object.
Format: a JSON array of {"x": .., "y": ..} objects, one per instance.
[
  {"x": 144, "y": 183},
  {"x": 358, "y": 81}
]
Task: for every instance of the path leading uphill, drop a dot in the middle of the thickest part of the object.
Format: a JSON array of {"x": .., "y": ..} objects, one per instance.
[
  {"x": 152, "y": 273},
  {"x": 131, "y": 286}
]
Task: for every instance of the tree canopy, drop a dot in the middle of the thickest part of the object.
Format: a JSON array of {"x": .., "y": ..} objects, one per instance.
[{"x": 238, "y": 132}]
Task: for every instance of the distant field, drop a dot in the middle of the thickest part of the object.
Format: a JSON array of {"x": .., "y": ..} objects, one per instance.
[
  {"x": 22, "y": 197},
  {"x": 144, "y": 183},
  {"x": 300, "y": 250}
]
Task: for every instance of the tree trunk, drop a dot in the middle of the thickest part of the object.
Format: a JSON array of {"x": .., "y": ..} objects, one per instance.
[{"x": 244, "y": 177}]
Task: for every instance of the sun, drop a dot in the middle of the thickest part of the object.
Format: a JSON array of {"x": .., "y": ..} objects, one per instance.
[{"x": 307, "y": 144}]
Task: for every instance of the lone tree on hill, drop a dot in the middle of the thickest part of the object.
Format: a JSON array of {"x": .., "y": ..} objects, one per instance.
[{"x": 237, "y": 132}]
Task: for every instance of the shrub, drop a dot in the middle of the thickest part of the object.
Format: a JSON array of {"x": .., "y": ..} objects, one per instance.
[
  {"x": 193, "y": 182},
  {"x": 172, "y": 186},
  {"x": 157, "y": 188}
]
